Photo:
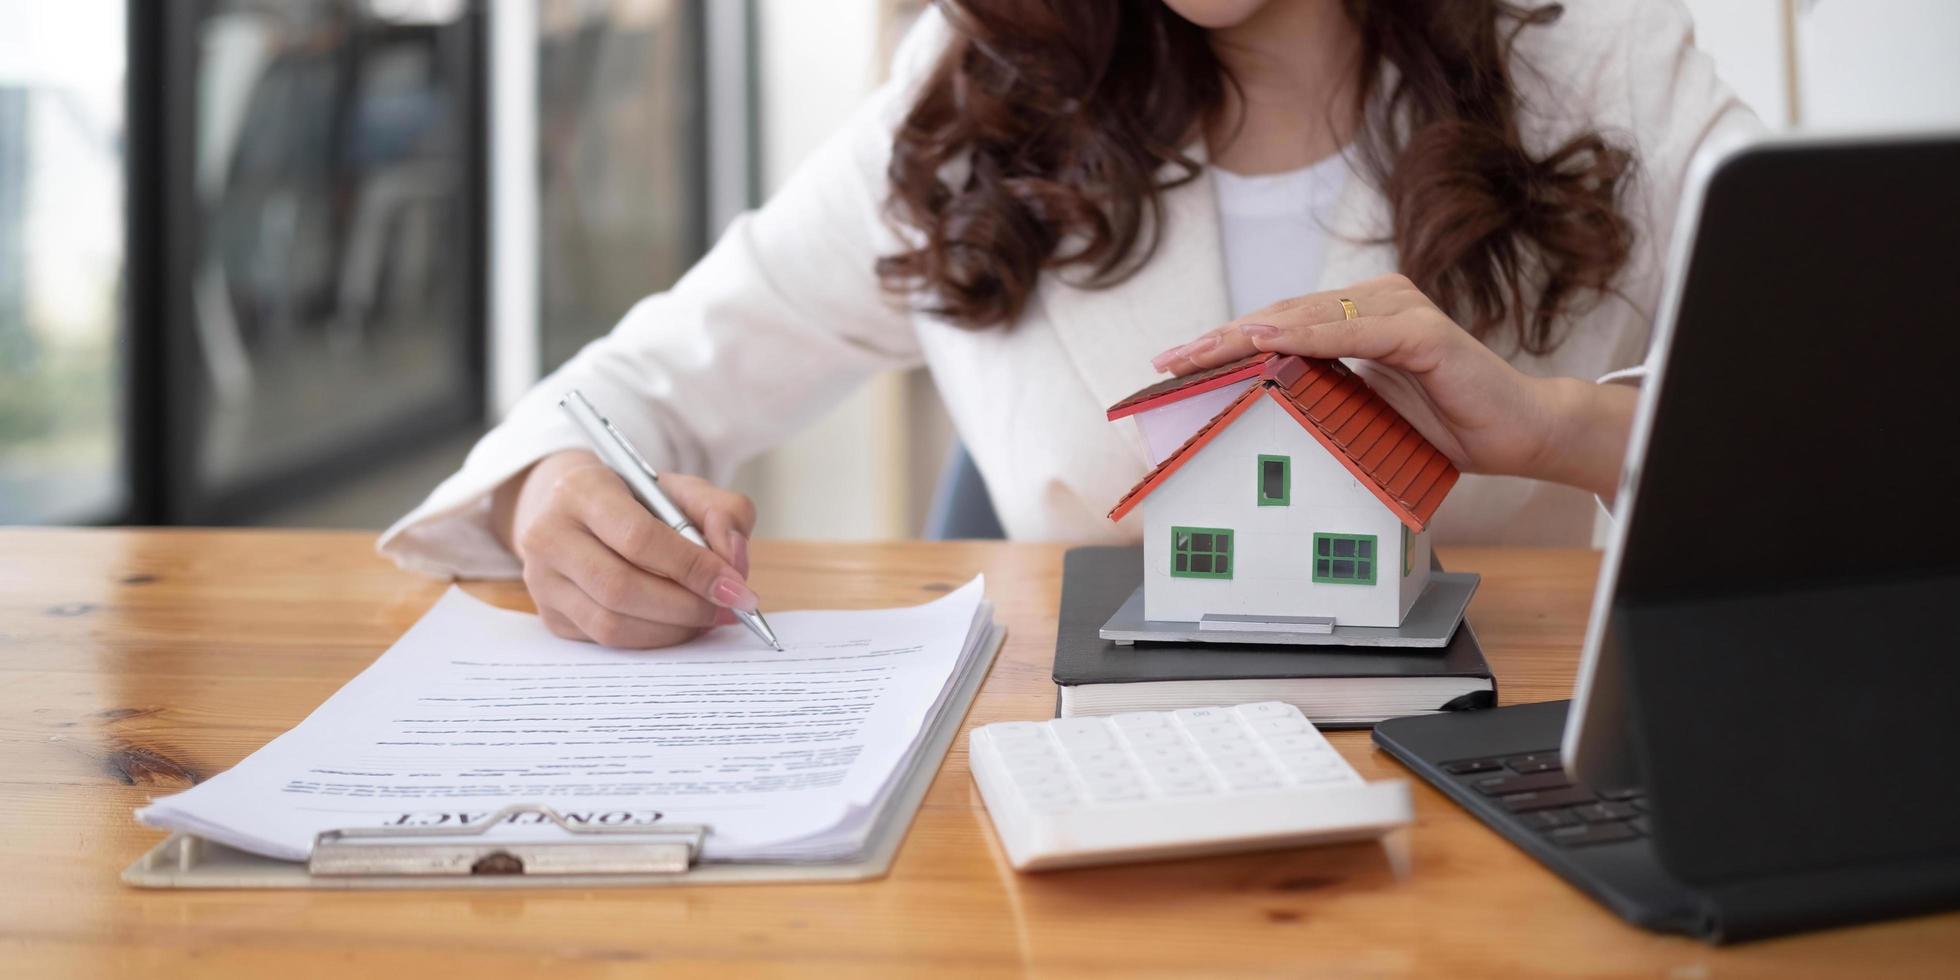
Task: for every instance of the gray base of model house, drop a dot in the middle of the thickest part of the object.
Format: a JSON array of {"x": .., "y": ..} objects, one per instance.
[{"x": 1430, "y": 623}]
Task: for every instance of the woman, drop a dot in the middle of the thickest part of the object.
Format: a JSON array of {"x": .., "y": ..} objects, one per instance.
[{"x": 1053, "y": 201}]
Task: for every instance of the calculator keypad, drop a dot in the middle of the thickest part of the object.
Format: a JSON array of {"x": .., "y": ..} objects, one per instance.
[{"x": 1179, "y": 754}]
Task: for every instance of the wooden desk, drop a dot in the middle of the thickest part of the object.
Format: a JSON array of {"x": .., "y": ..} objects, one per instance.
[{"x": 134, "y": 662}]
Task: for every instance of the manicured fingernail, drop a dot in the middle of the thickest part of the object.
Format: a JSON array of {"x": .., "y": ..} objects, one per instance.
[
  {"x": 1259, "y": 331},
  {"x": 738, "y": 552},
  {"x": 1200, "y": 345},
  {"x": 732, "y": 593}
]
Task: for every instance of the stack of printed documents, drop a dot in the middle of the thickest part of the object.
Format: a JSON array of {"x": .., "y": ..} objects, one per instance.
[{"x": 784, "y": 756}]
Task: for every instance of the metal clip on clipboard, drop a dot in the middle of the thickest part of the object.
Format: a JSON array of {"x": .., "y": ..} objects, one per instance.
[{"x": 604, "y": 850}]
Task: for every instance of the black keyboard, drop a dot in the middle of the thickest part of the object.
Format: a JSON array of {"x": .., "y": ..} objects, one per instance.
[
  {"x": 1533, "y": 785},
  {"x": 1495, "y": 765}
]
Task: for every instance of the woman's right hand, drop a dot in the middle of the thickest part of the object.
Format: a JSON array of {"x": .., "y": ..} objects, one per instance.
[{"x": 602, "y": 568}]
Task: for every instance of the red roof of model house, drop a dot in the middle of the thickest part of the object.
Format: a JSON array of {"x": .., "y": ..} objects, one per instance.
[{"x": 1355, "y": 426}]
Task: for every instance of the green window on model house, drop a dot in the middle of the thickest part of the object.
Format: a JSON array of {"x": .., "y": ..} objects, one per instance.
[
  {"x": 1275, "y": 481},
  {"x": 1201, "y": 552},
  {"x": 1344, "y": 559}
]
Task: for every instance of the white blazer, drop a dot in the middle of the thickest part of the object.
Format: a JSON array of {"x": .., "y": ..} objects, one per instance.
[{"x": 784, "y": 316}]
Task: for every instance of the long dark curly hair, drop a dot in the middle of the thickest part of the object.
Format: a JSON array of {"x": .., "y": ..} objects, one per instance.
[{"x": 1044, "y": 135}]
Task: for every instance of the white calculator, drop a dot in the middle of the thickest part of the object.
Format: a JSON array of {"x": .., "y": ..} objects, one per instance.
[{"x": 1161, "y": 784}]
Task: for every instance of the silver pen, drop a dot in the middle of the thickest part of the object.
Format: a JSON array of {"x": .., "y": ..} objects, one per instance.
[{"x": 632, "y": 467}]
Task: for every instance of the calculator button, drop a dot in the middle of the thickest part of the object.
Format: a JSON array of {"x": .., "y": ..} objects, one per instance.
[
  {"x": 1223, "y": 747},
  {"x": 1031, "y": 751},
  {"x": 1155, "y": 736},
  {"x": 1301, "y": 766},
  {"x": 1007, "y": 731},
  {"x": 1109, "y": 774},
  {"x": 1116, "y": 792},
  {"x": 1320, "y": 777},
  {"x": 1100, "y": 758},
  {"x": 1268, "y": 709},
  {"x": 1185, "y": 786},
  {"x": 1209, "y": 730},
  {"x": 1037, "y": 778},
  {"x": 1153, "y": 755},
  {"x": 1278, "y": 726},
  {"x": 1191, "y": 716},
  {"x": 1083, "y": 733},
  {"x": 1050, "y": 799},
  {"x": 1301, "y": 744},
  {"x": 1249, "y": 782},
  {"x": 1137, "y": 721},
  {"x": 1242, "y": 764},
  {"x": 1173, "y": 771}
]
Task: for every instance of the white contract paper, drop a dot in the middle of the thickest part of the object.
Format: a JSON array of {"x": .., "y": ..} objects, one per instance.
[{"x": 783, "y": 755}]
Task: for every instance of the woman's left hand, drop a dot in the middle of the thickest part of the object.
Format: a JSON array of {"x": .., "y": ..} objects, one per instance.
[{"x": 1488, "y": 416}]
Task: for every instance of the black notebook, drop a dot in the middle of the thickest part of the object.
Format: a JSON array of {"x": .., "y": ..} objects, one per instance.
[{"x": 1336, "y": 687}]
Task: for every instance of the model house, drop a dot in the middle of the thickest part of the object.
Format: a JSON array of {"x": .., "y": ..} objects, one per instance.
[{"x": 1285, "y": 492}]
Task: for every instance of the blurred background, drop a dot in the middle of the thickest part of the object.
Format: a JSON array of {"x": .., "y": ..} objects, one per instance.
[{"x": 279, "y": 262}]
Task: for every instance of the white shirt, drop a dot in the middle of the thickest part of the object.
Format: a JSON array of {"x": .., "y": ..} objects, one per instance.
[
  {"x": 1274, "y": 229},
  {"x": 784, "y": 316}
]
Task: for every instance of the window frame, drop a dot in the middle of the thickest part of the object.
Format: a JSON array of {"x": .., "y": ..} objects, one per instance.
[
  {"x": 1374, "y": 558},
  {"x": 1285, "y": 498},
  {"x": 1229, "y": 552}
]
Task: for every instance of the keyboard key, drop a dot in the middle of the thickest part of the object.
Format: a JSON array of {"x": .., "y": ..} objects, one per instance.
[
  {"x": 1606, "y": 811},
  {"x": 1549, "y": 819},
  {"x": 1469, "y": 766},
  {"x": 1535, "y": 762},
  {"x": 1640, "y": 824},
  {"x": 1624, "y": 793},
  {"x": 1506, "y": 784},
  {"x": 1546, "y": 799},
  {"x": 1583, "y": 834}
]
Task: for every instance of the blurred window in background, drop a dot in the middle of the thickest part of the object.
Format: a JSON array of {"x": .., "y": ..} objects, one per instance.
[
  {"x": 622, "y": 151},
  {"x": 61, "y": 258},
  {"x": 330, "y": 316}
]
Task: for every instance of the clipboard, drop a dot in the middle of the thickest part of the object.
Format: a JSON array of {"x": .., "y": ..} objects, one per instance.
[{"x": 584, "y": 857}]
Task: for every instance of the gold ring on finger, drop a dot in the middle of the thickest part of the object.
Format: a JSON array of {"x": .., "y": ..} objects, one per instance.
[{"x": 1347, "y": 308}]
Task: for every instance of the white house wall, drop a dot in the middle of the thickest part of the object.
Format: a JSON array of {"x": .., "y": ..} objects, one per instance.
[{"x": 1272, "y": 546}]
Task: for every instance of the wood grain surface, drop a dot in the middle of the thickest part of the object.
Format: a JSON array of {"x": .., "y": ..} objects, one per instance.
[{"x": 133, "y": 663}]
